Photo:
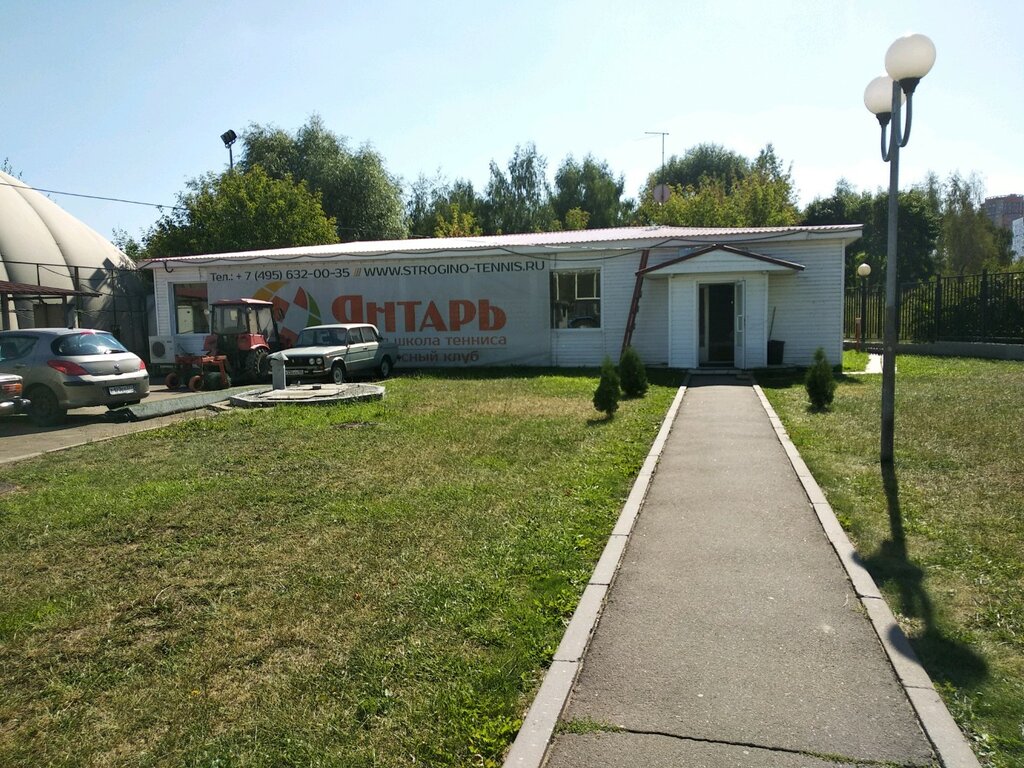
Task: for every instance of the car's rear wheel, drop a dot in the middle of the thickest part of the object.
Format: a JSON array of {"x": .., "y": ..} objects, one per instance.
[
  {"x": 45, "y": 410},
  {"x": 338, "y": 373},
  {"x": 385, "y": 368}
]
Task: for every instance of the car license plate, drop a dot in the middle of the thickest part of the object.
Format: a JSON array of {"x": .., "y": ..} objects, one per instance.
[{"x": 126, "y": 389}]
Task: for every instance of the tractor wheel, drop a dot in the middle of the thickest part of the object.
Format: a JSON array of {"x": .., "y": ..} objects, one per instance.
[
  {"x": 173, "y": 381},
  {"x": 384, "y": 369},
  {"x": 215, "y": 380},
  {"x": 257, "y": 366},
  {"x": 196, "y": 383},
  {"x": 45, "y": 410}
]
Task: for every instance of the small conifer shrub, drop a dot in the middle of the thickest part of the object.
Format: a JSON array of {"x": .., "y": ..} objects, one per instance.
[
  {"x": 819, "y": 382},
  {"x": 607, "y": 394},
  {"x": 632, "y": 373}
]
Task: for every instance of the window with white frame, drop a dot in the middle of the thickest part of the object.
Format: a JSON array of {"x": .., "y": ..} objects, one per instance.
[
  {"x": 191, "y": 310},
  {"x": 576, "y": 298}
]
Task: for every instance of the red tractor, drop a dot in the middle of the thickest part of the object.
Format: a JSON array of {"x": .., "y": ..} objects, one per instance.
[{"x": 242, "y": 333}]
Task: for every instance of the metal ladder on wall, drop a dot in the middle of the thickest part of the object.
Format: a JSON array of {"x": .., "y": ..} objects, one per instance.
[{"x": 634, "y": 305}]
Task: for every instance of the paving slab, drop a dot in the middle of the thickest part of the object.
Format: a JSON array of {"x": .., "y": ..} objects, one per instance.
[
  {"x": 629, "y": 750},
  {"x": 731, "y": 619}
]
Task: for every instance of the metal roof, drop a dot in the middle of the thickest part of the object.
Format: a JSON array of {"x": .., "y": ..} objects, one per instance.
[
  {"x": 31, "y": 289},
  {"x": 622, "y": 239}
]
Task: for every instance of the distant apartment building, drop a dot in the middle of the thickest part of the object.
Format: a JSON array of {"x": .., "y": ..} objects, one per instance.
[{"x": 1004, "y": 209}]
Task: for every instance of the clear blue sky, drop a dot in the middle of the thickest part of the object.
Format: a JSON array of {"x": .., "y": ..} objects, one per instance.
[{"x": 128, "y": 99}]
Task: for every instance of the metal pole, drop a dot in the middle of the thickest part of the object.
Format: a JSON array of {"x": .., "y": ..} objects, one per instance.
[
  {"x": 889, "y": 336},
  {"x": 661, "y": 174},
  {"x": 863, "y": 310},
  {"x": 231, "y": 160}
]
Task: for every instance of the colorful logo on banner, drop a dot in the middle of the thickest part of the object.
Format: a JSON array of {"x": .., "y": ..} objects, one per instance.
[{"x": 292, "y": 310}]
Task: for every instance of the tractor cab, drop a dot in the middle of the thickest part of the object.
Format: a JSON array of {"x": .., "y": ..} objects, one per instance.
[
  {"x": 244, "y": 331},
  {"x": 241, "y": 325}
]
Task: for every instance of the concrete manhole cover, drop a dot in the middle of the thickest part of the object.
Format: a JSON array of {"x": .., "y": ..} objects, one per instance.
[{"x": 309, "y": 394}]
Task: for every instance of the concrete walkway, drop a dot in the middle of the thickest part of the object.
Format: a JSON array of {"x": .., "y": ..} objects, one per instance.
[{"x": 732, "y": 635}]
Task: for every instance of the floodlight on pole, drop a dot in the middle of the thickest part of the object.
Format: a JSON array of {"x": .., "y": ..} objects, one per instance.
[
  {"x": 908, "y": 60},
  {"x": 229, "y": 137}
]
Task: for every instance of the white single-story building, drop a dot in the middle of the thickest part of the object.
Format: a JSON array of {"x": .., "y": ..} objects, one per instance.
[{"x": 682, "y": 297}]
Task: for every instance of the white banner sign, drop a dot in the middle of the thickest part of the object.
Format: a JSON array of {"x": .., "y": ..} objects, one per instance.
[{"x": 442, "y": 313}]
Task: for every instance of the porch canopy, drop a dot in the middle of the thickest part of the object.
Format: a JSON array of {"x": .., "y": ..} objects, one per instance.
[
  {"x": 9, "y": 291},
  {"x": 719, "y": 258}
]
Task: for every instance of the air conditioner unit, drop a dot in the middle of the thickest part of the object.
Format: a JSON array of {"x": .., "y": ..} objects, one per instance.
[{"x": 161, "y": 349}]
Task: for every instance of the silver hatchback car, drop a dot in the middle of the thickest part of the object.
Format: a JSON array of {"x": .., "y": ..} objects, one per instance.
[{"x": 67, "y": 368}]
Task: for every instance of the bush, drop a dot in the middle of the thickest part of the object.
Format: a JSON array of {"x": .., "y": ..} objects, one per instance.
[
  {"x": 632, "y": 373},
  {"x": 821, "y": 386},
  {"x": 607, "y": 394}
]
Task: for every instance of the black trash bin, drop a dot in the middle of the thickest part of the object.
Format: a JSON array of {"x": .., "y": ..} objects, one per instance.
[{"x": 775, "y": 351}]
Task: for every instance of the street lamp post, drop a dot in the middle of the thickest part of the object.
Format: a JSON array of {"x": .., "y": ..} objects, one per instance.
[
  {"x": 229, "y": 137},
  {"x": 862, "y": 272},
  {"x": 908, "y": 60}
]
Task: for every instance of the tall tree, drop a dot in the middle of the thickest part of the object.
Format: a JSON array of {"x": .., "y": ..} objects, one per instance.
[
  {"x": 917, "y": 229},
  {"x": 240, "y": 211},
  {"x": 357, "y": 190},
  {"x": 764, "y": 197},
  {"x": 969, "y": 241},
  {"x": 519, "y": 201},
  {"x": 589, "y": 187},
  {"x": 761, "y": 197},
  {"x": 457, "y": 223},
  {"x": 711, "y": 160},
  {"x": 433, "y": 200}
]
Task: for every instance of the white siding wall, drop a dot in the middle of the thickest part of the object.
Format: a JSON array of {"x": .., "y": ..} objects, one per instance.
[
  {"x": 650, "y": 337},
  {"x": 809, "y": 304},
  {"x": 756, "y": 338},
  {"x": 589, "y": 346},
  {"x": 682, "y": 304},
  {"x": 684, "y": 321}
]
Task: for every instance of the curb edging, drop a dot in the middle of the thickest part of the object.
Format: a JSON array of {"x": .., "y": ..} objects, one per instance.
[{"x": 938, "y": 725}]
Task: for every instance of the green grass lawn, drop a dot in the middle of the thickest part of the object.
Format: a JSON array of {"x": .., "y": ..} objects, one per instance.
[
  {"x": 854, "y": 361},
  {"x": 944, "y": 534},
  {"x": 379, "y": 584}
]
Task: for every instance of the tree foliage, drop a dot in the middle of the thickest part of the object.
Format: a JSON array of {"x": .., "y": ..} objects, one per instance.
[
  {"x": 591, "y": 188},
  {"x": 819, "y": 382},
  {"x": 762, "y": 197},
  {"x": 356, "y": 189},
  {"x": 941, "y": 229},
  {"x": 632, "y": 373},
  {"x": 711, "y": 161},
  {"x": 608, "y": 392},
  {"x": 240, "y": 211},
  {"x": 917, "y": 229},
  {"x": 461, "y": 224},
  {"x": 519, "y": 199},
  {"x": 435, "y": 203},
  {"x": 969, "y": 241},
  {"x": 127, "y": 244}
]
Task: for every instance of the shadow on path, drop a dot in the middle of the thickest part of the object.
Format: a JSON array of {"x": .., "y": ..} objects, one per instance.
[{"x": 946, "y": 659}]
